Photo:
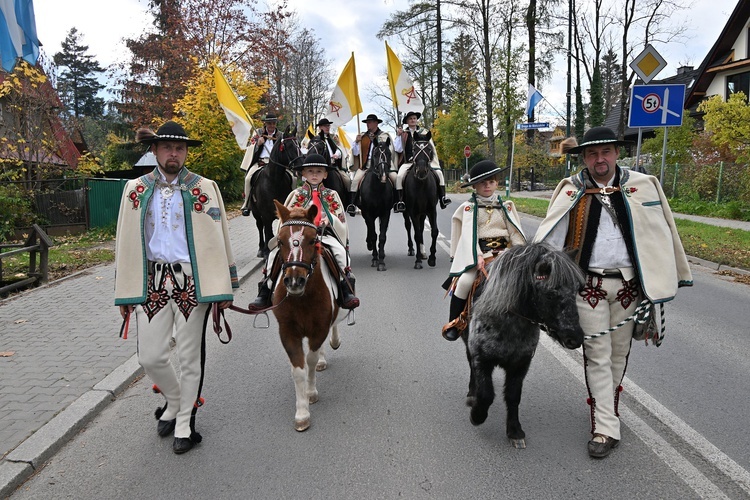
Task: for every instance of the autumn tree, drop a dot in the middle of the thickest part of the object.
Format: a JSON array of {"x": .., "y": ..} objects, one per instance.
[
  {"x": 452, "y": 131},
  {"x": 728, "y": 124},
  {"x": 218, "y": 158},
  {"x": 77, "y": 83},
  {"x": 31, "y": 130},
  {"x": 679, "y": 142}
]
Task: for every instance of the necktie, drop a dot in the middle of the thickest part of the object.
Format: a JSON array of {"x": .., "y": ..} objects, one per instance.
[{"x": 316, "y": 202}]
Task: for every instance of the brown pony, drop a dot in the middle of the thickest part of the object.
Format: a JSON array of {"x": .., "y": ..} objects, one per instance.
[{"x": 304, "y": 304}]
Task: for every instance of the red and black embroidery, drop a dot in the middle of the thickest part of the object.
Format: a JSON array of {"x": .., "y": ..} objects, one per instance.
[
  {"x": 593, "y": 293},
  {"x": 155, "y": 299},
  {"x": 628, "y": 293},
  {"x": 185, "y": 299}
]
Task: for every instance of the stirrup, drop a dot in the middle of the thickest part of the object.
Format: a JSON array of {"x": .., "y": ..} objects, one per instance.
[
  {"x": 351, "y": 210},
  {"x": 262, "y": 326},
  {"x": 399, "y": 207}
]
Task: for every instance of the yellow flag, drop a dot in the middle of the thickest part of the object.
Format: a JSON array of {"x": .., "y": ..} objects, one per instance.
[
  {"x": 403, "y": 93},
  {"x": 343, "y": 139},
  {"x": 239, "y": 120},
  {"x": 345, "y": 103}
]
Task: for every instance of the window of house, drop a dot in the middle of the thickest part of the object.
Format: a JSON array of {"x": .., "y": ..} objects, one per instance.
[{"x": 738, "y": 83}]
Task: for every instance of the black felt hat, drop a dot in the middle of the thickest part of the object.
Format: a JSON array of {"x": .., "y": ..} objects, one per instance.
[
  {"x": 324, "y": 121},
  {"x": 270, "y": 117},
  {"x": 372, "y": 117},
  {"x": 596, "y": 136},
  {"x": 411, "y": 113},
  {"x": 314, "y": 160},
  {"x": 481, "y": 171},
  {"x": 170, "y": 131}
]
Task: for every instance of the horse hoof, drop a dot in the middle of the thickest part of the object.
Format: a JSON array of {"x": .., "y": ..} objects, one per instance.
[
  {"x": 410, "y": 253},
  {"x": 261, "y": 254},
  {"x": 518, "y": 444},
  {"x": 418, "y": 266},
  {"x": 381, "y": 267},
  {"x": 374, "y": 263},
  {"x": 322, "y": 365},
  {"x": 335, "y": 345},
  {"x": 431, "y": 261},
  {"x": 477, "y": 416},
  {"x": 313, "y": 398},
  {"x": 301, "y": 425}
]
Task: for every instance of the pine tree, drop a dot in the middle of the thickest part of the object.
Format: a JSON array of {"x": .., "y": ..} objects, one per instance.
[
  {"x": 77, "y": 82},
  {"x": 596, "y": 110}
]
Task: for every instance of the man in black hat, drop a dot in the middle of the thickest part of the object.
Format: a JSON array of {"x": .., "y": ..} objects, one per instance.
[
  {"x": 335, "y": 153},
  {"x": 362, "y": 153},
  {"x": 257, "y": 156},
  {"x": 618, "y": 227},
  {"x": 481, "y": 228},
  {"x": 404, "y": 143},
  {"x": 173, "y": 260}
]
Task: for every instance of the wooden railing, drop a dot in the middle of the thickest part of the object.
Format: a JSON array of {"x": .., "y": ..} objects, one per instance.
[{"x": 37, "y": 243}]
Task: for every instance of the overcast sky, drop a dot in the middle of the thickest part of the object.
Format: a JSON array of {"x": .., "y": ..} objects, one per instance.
[{"x": 344, "y": 26}]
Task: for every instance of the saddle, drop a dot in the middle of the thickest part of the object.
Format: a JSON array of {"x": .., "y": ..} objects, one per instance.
[
  {"x": 254, "y": 179},
  {"x": 462, "y": 321}
]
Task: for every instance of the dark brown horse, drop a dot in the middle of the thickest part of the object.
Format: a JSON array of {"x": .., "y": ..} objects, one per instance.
[
  {"x": 304, "y": 304},
  {"x": 274, "y": 182}
]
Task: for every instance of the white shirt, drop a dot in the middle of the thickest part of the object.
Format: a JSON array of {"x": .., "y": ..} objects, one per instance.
[
  {"x": 398, "y": 145},
  {"x": 166, "y": 238}
]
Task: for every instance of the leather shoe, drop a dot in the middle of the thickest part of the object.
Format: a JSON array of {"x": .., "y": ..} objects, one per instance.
[
  {"x": 165, "y": 427},
  {"x": 399, "y": 207},
  {"x": 246, "y": 212},
  {"x": 351, "y": 210},
  {"x": 182, "y": 445},
  {"x": 451, "y": 334},
  {"x": 602, "y": 449}
]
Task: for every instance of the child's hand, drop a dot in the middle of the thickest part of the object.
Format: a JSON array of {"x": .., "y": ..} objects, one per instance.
[{"x": 480, "y": 262}]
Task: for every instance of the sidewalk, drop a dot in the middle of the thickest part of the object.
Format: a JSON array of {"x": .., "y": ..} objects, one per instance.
[{"x": 62, "y": 361}]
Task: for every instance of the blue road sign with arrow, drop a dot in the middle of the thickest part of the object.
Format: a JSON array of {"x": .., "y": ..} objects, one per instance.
[{"x": 656, "y": 105}]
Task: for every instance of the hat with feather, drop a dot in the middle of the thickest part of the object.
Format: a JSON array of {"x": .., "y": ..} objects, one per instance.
[{"x": 170, "y": 131}]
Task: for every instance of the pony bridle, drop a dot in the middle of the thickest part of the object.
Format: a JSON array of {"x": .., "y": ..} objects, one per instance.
[
  {"x": 422, "y": 150},
  {"x": 296, "y": 241},
  {"x": 296, "y": 146}
]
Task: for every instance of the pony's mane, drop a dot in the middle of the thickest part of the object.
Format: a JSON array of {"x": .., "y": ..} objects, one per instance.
[{"x": 513, "y": 275}]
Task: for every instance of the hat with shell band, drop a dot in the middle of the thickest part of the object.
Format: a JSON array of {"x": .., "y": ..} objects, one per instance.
[
  {"x": 481, "y": 171},
  {"x": 598, "y": 136},
  {"x": 314, "y": 160},
  {"x": 169, "y": 132}
]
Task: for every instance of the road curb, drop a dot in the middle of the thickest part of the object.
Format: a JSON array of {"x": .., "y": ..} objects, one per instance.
[{"x": 23, "y": 461}]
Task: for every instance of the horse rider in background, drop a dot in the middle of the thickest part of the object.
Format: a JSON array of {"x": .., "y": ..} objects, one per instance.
[
  {"x": 362, "y": 154},
  {"x": 618, "y": 227},
  {"x": 404, "y": 144},
  {"x": 335, "y": 153},
  {"x": 173, "y": 261},
  {"x": 257, "y": 156}
]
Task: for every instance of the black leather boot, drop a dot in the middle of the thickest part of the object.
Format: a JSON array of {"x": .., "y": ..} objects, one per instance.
[
  {"x": 263, "y": 300},
  {"x": 348, "y": 299},
  {"x": 444, "y": 201},
  {"x": 399, "y": 207},
  {"x": 456, "y": 308},
  {"x": 351, "y": 208}
]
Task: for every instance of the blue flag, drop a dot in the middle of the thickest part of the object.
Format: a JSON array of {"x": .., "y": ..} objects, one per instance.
[
  {"x": 535, "y": 97},
  {"x": 17, "y": 33}
]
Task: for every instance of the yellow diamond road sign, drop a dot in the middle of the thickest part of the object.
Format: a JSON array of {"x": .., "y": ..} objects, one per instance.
[{"x": 648, "y": 64}]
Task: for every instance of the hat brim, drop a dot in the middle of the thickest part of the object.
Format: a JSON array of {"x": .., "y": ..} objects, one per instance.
[
  {"x": 299, "y": 168},
  {"x": 188, "y": 142},
  {"x": 481, "y": 177},
  {"x": 372, "y": 120},
  {"x": 581, "y": 147}
]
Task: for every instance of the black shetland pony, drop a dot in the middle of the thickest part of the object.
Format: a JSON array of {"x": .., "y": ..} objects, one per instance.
[
  {"x": 421, "y": 198},
  {"x": 335, "y": 178},
  {"x": 376, "y": 195},
  {"x": 528, "y": 286},
  {"x": 274, "y": 182}
]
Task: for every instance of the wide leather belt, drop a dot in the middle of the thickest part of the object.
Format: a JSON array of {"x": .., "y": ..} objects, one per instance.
[
  {"x": 494, "y": 245},
  {"x": 177, "y": 267},
  {"x": 607, "y": 273}
]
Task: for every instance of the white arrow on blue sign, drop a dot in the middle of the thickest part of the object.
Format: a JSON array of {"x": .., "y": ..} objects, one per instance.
[{"x": 656, "y": 105}]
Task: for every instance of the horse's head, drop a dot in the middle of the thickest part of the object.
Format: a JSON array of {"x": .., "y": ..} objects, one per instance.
[
  {"x": 298, "y": 242},
  {"x": 538, "y": 284},
  {"x": 557, "y": 280},
  {"x": 287, "y": 151},
  {"x": 318, "y": 146},
  {"x": 381, "y": 158},
  {"x": 422, "y": 154}
]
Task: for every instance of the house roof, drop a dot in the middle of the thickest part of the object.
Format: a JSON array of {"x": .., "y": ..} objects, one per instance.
[{"x": 720, "y": 56}]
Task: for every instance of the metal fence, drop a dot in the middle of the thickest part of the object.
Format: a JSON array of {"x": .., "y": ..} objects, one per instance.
[
  {"x": 57, "y": 202},
  {"x": 718, "y": 183}
]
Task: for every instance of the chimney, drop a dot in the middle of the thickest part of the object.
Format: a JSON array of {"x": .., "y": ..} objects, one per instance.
[{"x": 684, "y": 69}]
